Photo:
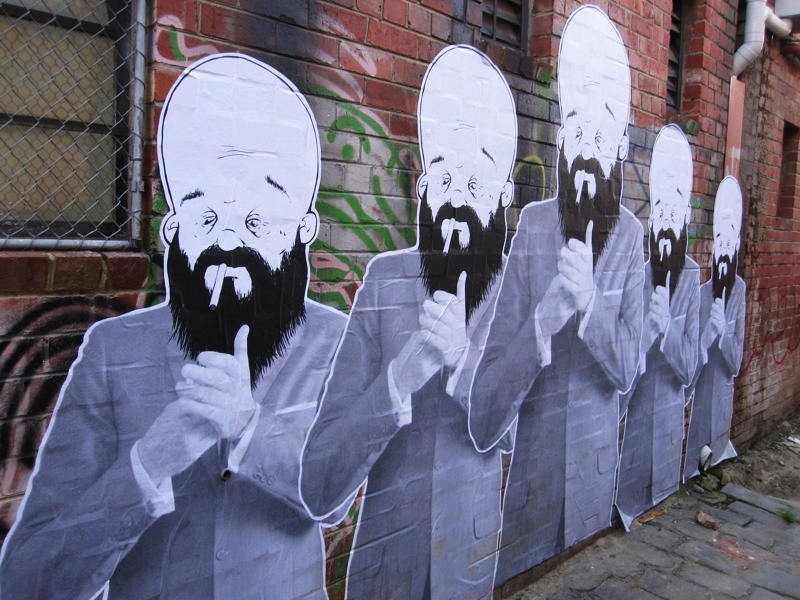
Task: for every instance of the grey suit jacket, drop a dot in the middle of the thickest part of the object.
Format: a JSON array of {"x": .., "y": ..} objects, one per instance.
[
  {"x": 712, "y": 409},
  {"x": 561, "y": 482},
  {"x": 84, "y": 520},
  {"x": 650, "y": 460},
  {"x": 430, "y": 517}
]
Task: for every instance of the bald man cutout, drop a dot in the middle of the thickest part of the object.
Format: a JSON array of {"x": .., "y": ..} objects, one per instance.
[
  {"x": 650, "y": 460},
  {"x": 394, "y": 411},
  {"x": 170, "y": 468},
  {"x": 565, "y": 336},
  {"x": 722, "y": 321}
]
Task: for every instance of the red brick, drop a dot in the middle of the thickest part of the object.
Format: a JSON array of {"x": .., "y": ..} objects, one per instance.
[
  {"x": 75, "y": 271},
  {"x": 392, "y": 38},
  {"x": 408, "y": 72},
  {"x": 370, "y": 7},
  {"x": 126, "y": 270},
  {"x": 390, "y": 96},
  {"x": 24, "y": 271},
  {"x": 440, "y": 26},
  {"x": 339, "y": 21},
  {"x": 419, "y": 19},
  {"x": 395, "y": 11},
  {"x": 403, "y": 126}
]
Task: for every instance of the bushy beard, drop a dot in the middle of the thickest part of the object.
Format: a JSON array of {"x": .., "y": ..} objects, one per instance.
[
  {"x": 273, "y": 309},
  {"x": 603, "y": 209},
  {"x": 673, "y": 263},
  {"x": 482, "y": 258},
  {"x": 726, "y": 282}
]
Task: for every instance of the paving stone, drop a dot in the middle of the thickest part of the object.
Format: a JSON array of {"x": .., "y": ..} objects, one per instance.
[
  {"x": 724, "y": 515},
  {"x": 613, "y": 589},
  {"x": 774, "y": 579},
  {"x": 650, "y": 555},
  {"x": 762, "y": 594},
  {"x": 693, "y": 531},
  {"x": 783, "y": 548},
  {"x": 588, "y": 570},
  {"x": 757, "y": 514},
  {"x": 755, "y": 535},
  {"x": 709, "y": 555},
  {"x": 714, "y": 580},
  {"x": 657, "y": 533},
  {"x": 669, "y": 587},
  {"x": 768, "y": 503}
]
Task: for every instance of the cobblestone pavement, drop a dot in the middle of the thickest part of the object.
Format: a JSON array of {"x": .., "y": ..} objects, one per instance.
[{"x": 753, "y": 553}]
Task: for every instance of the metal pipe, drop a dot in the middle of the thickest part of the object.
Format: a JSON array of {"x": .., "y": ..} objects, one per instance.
[
  {"x": 65, "y": 244},
  {"x": 759, "y": 15},
  {"x": 137, "y": 182}
]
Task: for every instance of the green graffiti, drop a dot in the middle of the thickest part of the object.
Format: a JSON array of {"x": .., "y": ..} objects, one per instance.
[
  {"x": 176, "y": 49},
  {"x": 384, "y": 230}
]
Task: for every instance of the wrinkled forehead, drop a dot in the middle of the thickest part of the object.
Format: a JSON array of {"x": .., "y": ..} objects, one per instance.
[
  {"x": 466, "y": 106},
  {"x": 593, "y": 65},
  {"x": 728, "y": 209},
  {"x": 672, "y": 163},
  {"x": 231, "y": 105}
]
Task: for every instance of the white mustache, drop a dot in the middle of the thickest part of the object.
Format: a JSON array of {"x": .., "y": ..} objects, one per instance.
[
  {"x": 582, "y": 177},
  {"x": 215, "y": 275},
  {"x": 665, "y": 247},
  {"x": 451, "y": 225}
]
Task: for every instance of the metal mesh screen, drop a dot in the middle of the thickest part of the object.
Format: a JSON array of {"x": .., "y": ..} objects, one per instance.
[{"x": 67, "y": 106}]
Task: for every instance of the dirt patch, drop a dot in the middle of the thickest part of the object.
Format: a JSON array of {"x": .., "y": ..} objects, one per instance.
[{"x": 772, "y": 465}]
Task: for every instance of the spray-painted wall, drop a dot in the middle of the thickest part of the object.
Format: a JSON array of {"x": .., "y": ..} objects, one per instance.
[{"x": 360, "y": 65}]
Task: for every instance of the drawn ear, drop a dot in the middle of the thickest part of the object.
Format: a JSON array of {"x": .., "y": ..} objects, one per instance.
[
  {"x": 507, "y": 193},
  {"x": 422, "y": 186},
  {"x": 560, "y": 138},
  {"x": 623, "y": 147},
  {"x": 308, "y": 227},
  {"x": 168, "y": 228}
]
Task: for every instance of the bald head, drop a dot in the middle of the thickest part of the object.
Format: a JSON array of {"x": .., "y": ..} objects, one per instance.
[
  {"x": 467, "y": 131},
  {"x": 671, "y": 176},
  {"x": 594, "y": 88},
  {"x": 727, "y": 217},
  {"x": 239, "y": 155}
]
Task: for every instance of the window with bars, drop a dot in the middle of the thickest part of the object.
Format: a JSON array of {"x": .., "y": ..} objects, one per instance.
[
  {"x": 505, "y": 21},
  {"x": 676, "y": 55},
  {"x": 790, "y": 171},
  {"x": 66, "y": 110}
]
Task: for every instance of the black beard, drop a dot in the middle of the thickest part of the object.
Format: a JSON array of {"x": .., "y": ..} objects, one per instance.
[
  {"x": 482, "y": 259},
  {"x": 603, "y": 209},
  {"x": 720, "y": 283},
  {"x": 673, "y": 263},
  {"x": 273, "y": 309}
]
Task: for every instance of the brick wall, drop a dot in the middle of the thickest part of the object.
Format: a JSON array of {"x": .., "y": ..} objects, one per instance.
[
  {"x": 768, "y": 387},
  {"x": 360, "y": 63}
]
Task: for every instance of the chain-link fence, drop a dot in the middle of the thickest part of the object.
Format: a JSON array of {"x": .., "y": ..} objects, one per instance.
[{"x": 71, "y": 87}]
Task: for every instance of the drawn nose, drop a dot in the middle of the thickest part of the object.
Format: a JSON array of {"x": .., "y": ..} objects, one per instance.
[
  {"x": 586, "y": 152},
  {"x": 457, "y": 198},
  {"x": 228, "y": 240}
]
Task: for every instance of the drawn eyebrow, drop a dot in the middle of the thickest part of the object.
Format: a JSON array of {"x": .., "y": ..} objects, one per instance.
[
  {"x": 571, "y": 113},
  {"x": 486, "y": 152},
  {"x": 276, "y": 185},
  {"x": 439, "y": 158},
  {"x": 608, "y": 108},
  {"x": 197, "y": 193}
]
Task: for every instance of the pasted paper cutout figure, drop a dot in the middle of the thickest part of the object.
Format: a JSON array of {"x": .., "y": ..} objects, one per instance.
[
  {"x": 395, "y": 408},
  {"x": 172, "y": 462},
  {"x": 567, "y": 326},
  {"x": 650, "y": 460},
  {"x": 722, "y": 320}
]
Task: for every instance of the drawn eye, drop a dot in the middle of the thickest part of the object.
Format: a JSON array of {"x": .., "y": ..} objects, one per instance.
[
  {"x": 598, "y": 140},
  {"x": 445, "y": 180},
  {"x": 472, "y": 185},
  {"x": 578, "y": 134},
  {"x": 208, "y": 219},
  {"x": 253, "y": 222}
]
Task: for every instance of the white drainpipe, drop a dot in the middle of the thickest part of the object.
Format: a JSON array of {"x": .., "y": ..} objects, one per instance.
[{"x": 759, "y": 15}]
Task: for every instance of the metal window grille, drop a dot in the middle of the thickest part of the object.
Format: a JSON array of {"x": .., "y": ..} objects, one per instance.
[
  {"x": 675, "y": 61},
  {"x": 790, "y": 171},
  {"x": 71, "y": 93},
  {"x": 505, "y": 21}
]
